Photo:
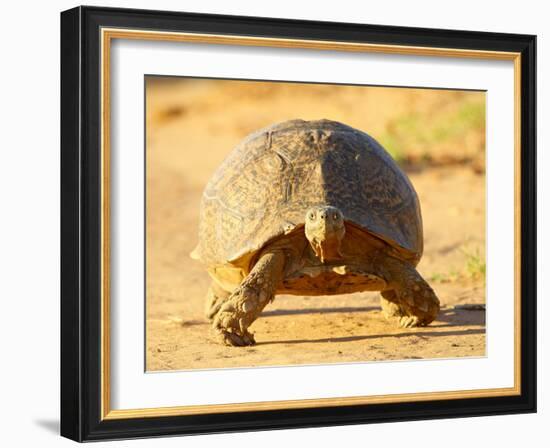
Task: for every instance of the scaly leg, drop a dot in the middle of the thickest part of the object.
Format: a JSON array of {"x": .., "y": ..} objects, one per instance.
[
  {"x": 409, "y": 297},
  {"x": 246, "y": 303}
]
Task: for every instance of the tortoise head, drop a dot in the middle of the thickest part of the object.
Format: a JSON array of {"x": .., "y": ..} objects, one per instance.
[{"x": 325, "y": 230}]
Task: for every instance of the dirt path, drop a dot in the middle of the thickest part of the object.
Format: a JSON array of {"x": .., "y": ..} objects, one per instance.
[{"x": 187, "y": 139}]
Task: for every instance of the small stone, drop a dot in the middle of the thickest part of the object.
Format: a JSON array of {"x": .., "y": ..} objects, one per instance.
[
  {"x": 470, "y": 307},
  {"x": 166, "y": 348},
  {"x": 175, "y": 320}
]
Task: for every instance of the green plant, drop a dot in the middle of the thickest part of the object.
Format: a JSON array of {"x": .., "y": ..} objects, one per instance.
[
  {"x": 419, "y": 133},
  {"x": 441, "y": 277},
  {"x": 475, "y": 264}
]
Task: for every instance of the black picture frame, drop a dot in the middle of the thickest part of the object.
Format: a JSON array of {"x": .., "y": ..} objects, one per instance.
[{"x": 81, "y": 227}]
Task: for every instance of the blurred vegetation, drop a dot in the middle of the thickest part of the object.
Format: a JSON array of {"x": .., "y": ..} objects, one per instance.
[
  {"x": 410, "y": 138},
  {"x": 475, "y": 264},
  {"x": 474, "y": 268}
]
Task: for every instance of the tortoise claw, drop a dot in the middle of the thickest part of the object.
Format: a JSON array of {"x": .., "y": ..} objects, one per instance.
[
  {"x": 409, "y": 322},
  {"x": 233, "y": 339}
]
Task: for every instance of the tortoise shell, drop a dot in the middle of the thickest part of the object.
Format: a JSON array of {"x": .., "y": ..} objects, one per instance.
[{"x": 267, "y": 183}]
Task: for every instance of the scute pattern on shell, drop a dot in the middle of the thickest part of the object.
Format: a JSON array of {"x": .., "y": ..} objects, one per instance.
[{"x": 264, "y": 187}]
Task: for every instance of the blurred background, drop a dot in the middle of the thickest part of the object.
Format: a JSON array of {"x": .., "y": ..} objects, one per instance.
[{"x": 438, "y": 138}]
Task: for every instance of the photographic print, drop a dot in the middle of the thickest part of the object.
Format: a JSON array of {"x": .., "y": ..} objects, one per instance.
[
  {"x": 297, "y": 223},
  {"x": 255, "y": 201}
]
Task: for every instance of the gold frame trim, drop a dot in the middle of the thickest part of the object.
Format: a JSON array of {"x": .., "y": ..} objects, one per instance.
[{"x": 107, "y": 35}]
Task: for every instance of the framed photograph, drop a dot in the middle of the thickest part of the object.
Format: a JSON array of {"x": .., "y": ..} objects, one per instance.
[{"x": 273, "y": 223}]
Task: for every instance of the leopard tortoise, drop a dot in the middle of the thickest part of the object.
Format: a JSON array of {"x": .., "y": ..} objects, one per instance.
[{"x": 310, "y": 208}]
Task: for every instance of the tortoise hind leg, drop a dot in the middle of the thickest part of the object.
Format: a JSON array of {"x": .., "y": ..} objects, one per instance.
[
  {"x": 410, "y": 298},
  {"x": 246, "y": 303},
  {"x": 215, "y": 298}
]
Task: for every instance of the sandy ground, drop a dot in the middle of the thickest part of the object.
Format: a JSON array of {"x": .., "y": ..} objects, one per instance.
[{"x": 191, "y": 126}]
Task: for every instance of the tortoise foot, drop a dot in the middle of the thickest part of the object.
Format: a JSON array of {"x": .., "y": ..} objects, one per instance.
[
  {"x": 234, "y": 339},
  {"x": 416, "y": 308},
  {"x": 238, "y": 312}
]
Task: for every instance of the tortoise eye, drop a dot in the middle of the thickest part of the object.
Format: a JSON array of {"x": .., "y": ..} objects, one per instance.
[{"x": 312, "y": 216}]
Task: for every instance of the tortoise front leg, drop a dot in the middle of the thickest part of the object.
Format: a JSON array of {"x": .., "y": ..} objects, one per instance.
[
  {"x": 246, "y": 303},
  {"x": 409, "y": 297}
]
